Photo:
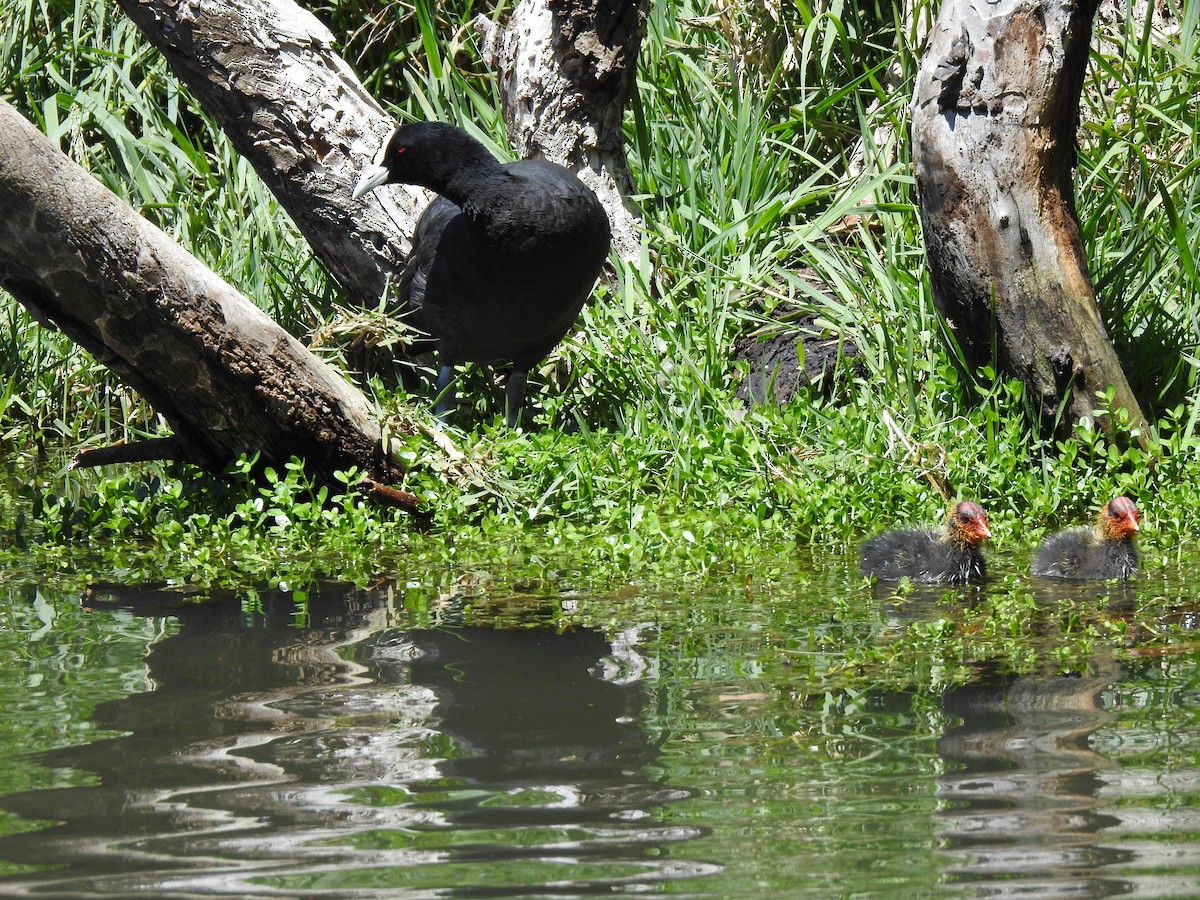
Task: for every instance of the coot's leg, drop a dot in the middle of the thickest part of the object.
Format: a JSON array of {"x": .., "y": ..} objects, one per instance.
[
  {"x": 514, "y": 392},
  {"x": 445, "y": 391}
]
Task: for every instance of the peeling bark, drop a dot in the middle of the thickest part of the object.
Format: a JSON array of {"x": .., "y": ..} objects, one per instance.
[
  {"x": 224, "y": 376},
  {"x": 269, "y": 73},
  {"x": 566, "y": 70},
  {"x": 994, "y": 121}
]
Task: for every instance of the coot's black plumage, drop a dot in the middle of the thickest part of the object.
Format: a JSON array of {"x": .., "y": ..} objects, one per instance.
[
  {"x": 922, "y": 554},
  {"x": 502, "y": 261},
  {"x": 1104, "y": 551}
]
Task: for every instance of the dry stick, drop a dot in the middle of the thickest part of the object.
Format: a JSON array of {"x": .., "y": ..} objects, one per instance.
[{"x": 914, "y": 455}]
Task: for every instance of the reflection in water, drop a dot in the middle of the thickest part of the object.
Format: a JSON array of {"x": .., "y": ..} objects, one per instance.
[
  {"x": 347, "y": 758},
  {"x": 355, "y": 758},
  {"x": 1022, "y": 783}
]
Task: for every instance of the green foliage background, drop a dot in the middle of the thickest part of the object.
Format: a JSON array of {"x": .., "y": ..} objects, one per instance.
[{"x": 768, "y": 143}]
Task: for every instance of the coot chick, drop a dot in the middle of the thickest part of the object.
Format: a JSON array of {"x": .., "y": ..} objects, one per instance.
[
  {"x": 501, "y": 262},
  {"x": 922, "y": 554},
  {"x": 1104, "y": 551}
]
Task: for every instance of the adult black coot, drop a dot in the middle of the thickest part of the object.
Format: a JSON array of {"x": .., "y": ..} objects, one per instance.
[
  {"x": 1104, "y": 551},
  {"x": 922, "y": 554},
  {"x": 501, "y": 262}
]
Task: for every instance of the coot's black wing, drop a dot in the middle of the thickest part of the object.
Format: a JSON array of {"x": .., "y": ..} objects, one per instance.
[
  {"x": 545, "y": 212},
  {"x": 504, "y": 279},
  {"x": 425, "y": 240}
]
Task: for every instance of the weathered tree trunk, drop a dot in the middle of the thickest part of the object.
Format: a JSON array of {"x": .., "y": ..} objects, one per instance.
[
  {"x": 566, "y": 69},
  {"x": 994, "y": 122},
  {"x": 268, "y": 72},
  {"x": 224, "y": 376}
]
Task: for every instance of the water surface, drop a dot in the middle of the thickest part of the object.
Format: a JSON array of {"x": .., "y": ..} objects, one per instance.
[{"x": 467, "y": 736}]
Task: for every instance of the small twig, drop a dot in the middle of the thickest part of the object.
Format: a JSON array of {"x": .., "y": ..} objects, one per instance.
[
  {"x": 166, "y": 448},
  {"x": 390, "y": 496},
  {"x": 914, "y": 455}
]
